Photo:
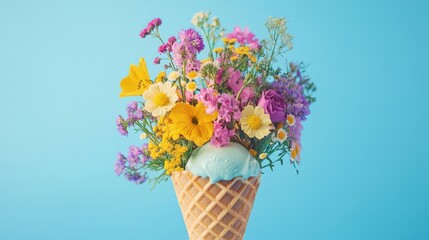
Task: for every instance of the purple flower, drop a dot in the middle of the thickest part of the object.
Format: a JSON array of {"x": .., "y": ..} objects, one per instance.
[
  {"x": 134, "y": 155},
  {"x": 190, "y": 44},
  {"x": 136, "y": 177},
  {"x": 133, "y": 165},
  {"x": 295, "y": 131},
  {"x": 273, "y": 104},
  {"x": 121, "y": 125},
  {"x": 244, "y": 37},
  {"x": 221, "y": 135},
  {"x": 293, "y": 95},
  {"x": 190, "y": 36},
  {"x": 193, "y": 65},
  {"x": 120, "y": 164}
]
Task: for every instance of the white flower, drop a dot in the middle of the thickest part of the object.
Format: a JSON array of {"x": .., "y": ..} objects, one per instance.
[
  {"x": 290, "y": 120},
  {"x": 173, "y": 75},
  {"x": 160, "y": 98},
  {"x": 281, "y": 135}
]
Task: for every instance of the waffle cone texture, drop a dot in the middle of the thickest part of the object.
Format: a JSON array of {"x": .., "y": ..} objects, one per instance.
[{"x": 215, "y": 211}]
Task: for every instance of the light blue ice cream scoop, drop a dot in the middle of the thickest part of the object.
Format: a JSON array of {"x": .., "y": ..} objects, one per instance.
[{"x": 223, "y": 163}]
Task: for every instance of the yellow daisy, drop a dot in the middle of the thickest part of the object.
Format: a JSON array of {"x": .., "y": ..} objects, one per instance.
[
  {"x": 193, "y": 122},
  {"x": 254, "y": 122},
  {"x": 160, "y": 98},
  {"x": 137, "y": 80}
]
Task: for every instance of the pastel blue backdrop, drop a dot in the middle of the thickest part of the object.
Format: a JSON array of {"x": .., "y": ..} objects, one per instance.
[{"x": 364, "y": 172}]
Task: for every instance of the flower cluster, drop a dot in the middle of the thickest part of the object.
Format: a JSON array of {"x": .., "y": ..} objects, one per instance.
[{"x": 237, "y": 93}]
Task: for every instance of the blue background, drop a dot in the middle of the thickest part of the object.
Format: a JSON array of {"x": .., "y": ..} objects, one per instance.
[{"x": 364, "y": 172}]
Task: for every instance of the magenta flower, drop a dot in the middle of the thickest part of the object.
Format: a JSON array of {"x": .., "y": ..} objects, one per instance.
[
  {"x": 157, "y": 60},
  {"x": 156, "y": 22},
  {"x": 244, "y": 37},
  {"x": 273, "y": 104}
]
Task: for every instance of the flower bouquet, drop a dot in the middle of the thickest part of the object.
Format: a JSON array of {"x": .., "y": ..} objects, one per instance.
[{"x": 214, "y": 123}]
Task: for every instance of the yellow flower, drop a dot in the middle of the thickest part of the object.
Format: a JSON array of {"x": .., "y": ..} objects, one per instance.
[
  {"x": 192, "y": 75},
  {"x": 160, "y": 98},
  {"x": 232, "y": 40},
  {"x": 191, "y": 86},
  {"x": 143, "y": 136},
  {"x": 207, "y": 60},
  {"x": 281, "y": 135},
  {"x": 137, "y": 80},
  {"x": 252, "y": 152},
  {"x": 193, "y": 122},
  {"x": 160, "y": 77},
  {"x": 233, "y": 58},
  {"x": 290, "y": 120},
  {"x": 252, "y": 58},
  {"x": 225, "y": 40},
  {"x": 218, "y": 50},
  {"x": 173, "y": 75},
  {"x": 243, "y": 50},
  {"x": 254, "y": 122},
  {"x": 262, "y": 155}
]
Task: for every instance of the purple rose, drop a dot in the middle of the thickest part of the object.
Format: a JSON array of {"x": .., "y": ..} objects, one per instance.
[{"x": 273, "y": 104}]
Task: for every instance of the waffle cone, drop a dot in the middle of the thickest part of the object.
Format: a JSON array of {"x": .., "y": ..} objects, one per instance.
[{"x": 215, "y": 211}]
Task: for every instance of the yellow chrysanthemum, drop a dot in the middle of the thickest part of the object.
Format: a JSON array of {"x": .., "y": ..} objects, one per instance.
[
  {"x": 137, "y": 81},
  {"x": 193, "y": 122},
  {"x": 192, "y": 75},
  {"x": 218, "y": 50},
  {"x": 160, "y": 77},
  {"x": 191, "y": 86},
  {"x": 254, "y": 122},
  {"x": 243, "y": 50},
  {"x": 160, "y": 98},
  {"x": 233, "y": 58},
  {"x": 232, "y": 40}
]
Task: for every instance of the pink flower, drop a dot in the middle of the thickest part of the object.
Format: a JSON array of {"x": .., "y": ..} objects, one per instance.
[
  {"x": 244, "y": 37},
  {"x": 221, "y": 135},
  {"x": 235, "y": 82},
  {"x": 208, "y": 96},
  {"x": 157, "y": 60}
]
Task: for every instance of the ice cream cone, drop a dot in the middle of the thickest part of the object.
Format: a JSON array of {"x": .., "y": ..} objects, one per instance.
[{"x": 215, "y": 211}]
